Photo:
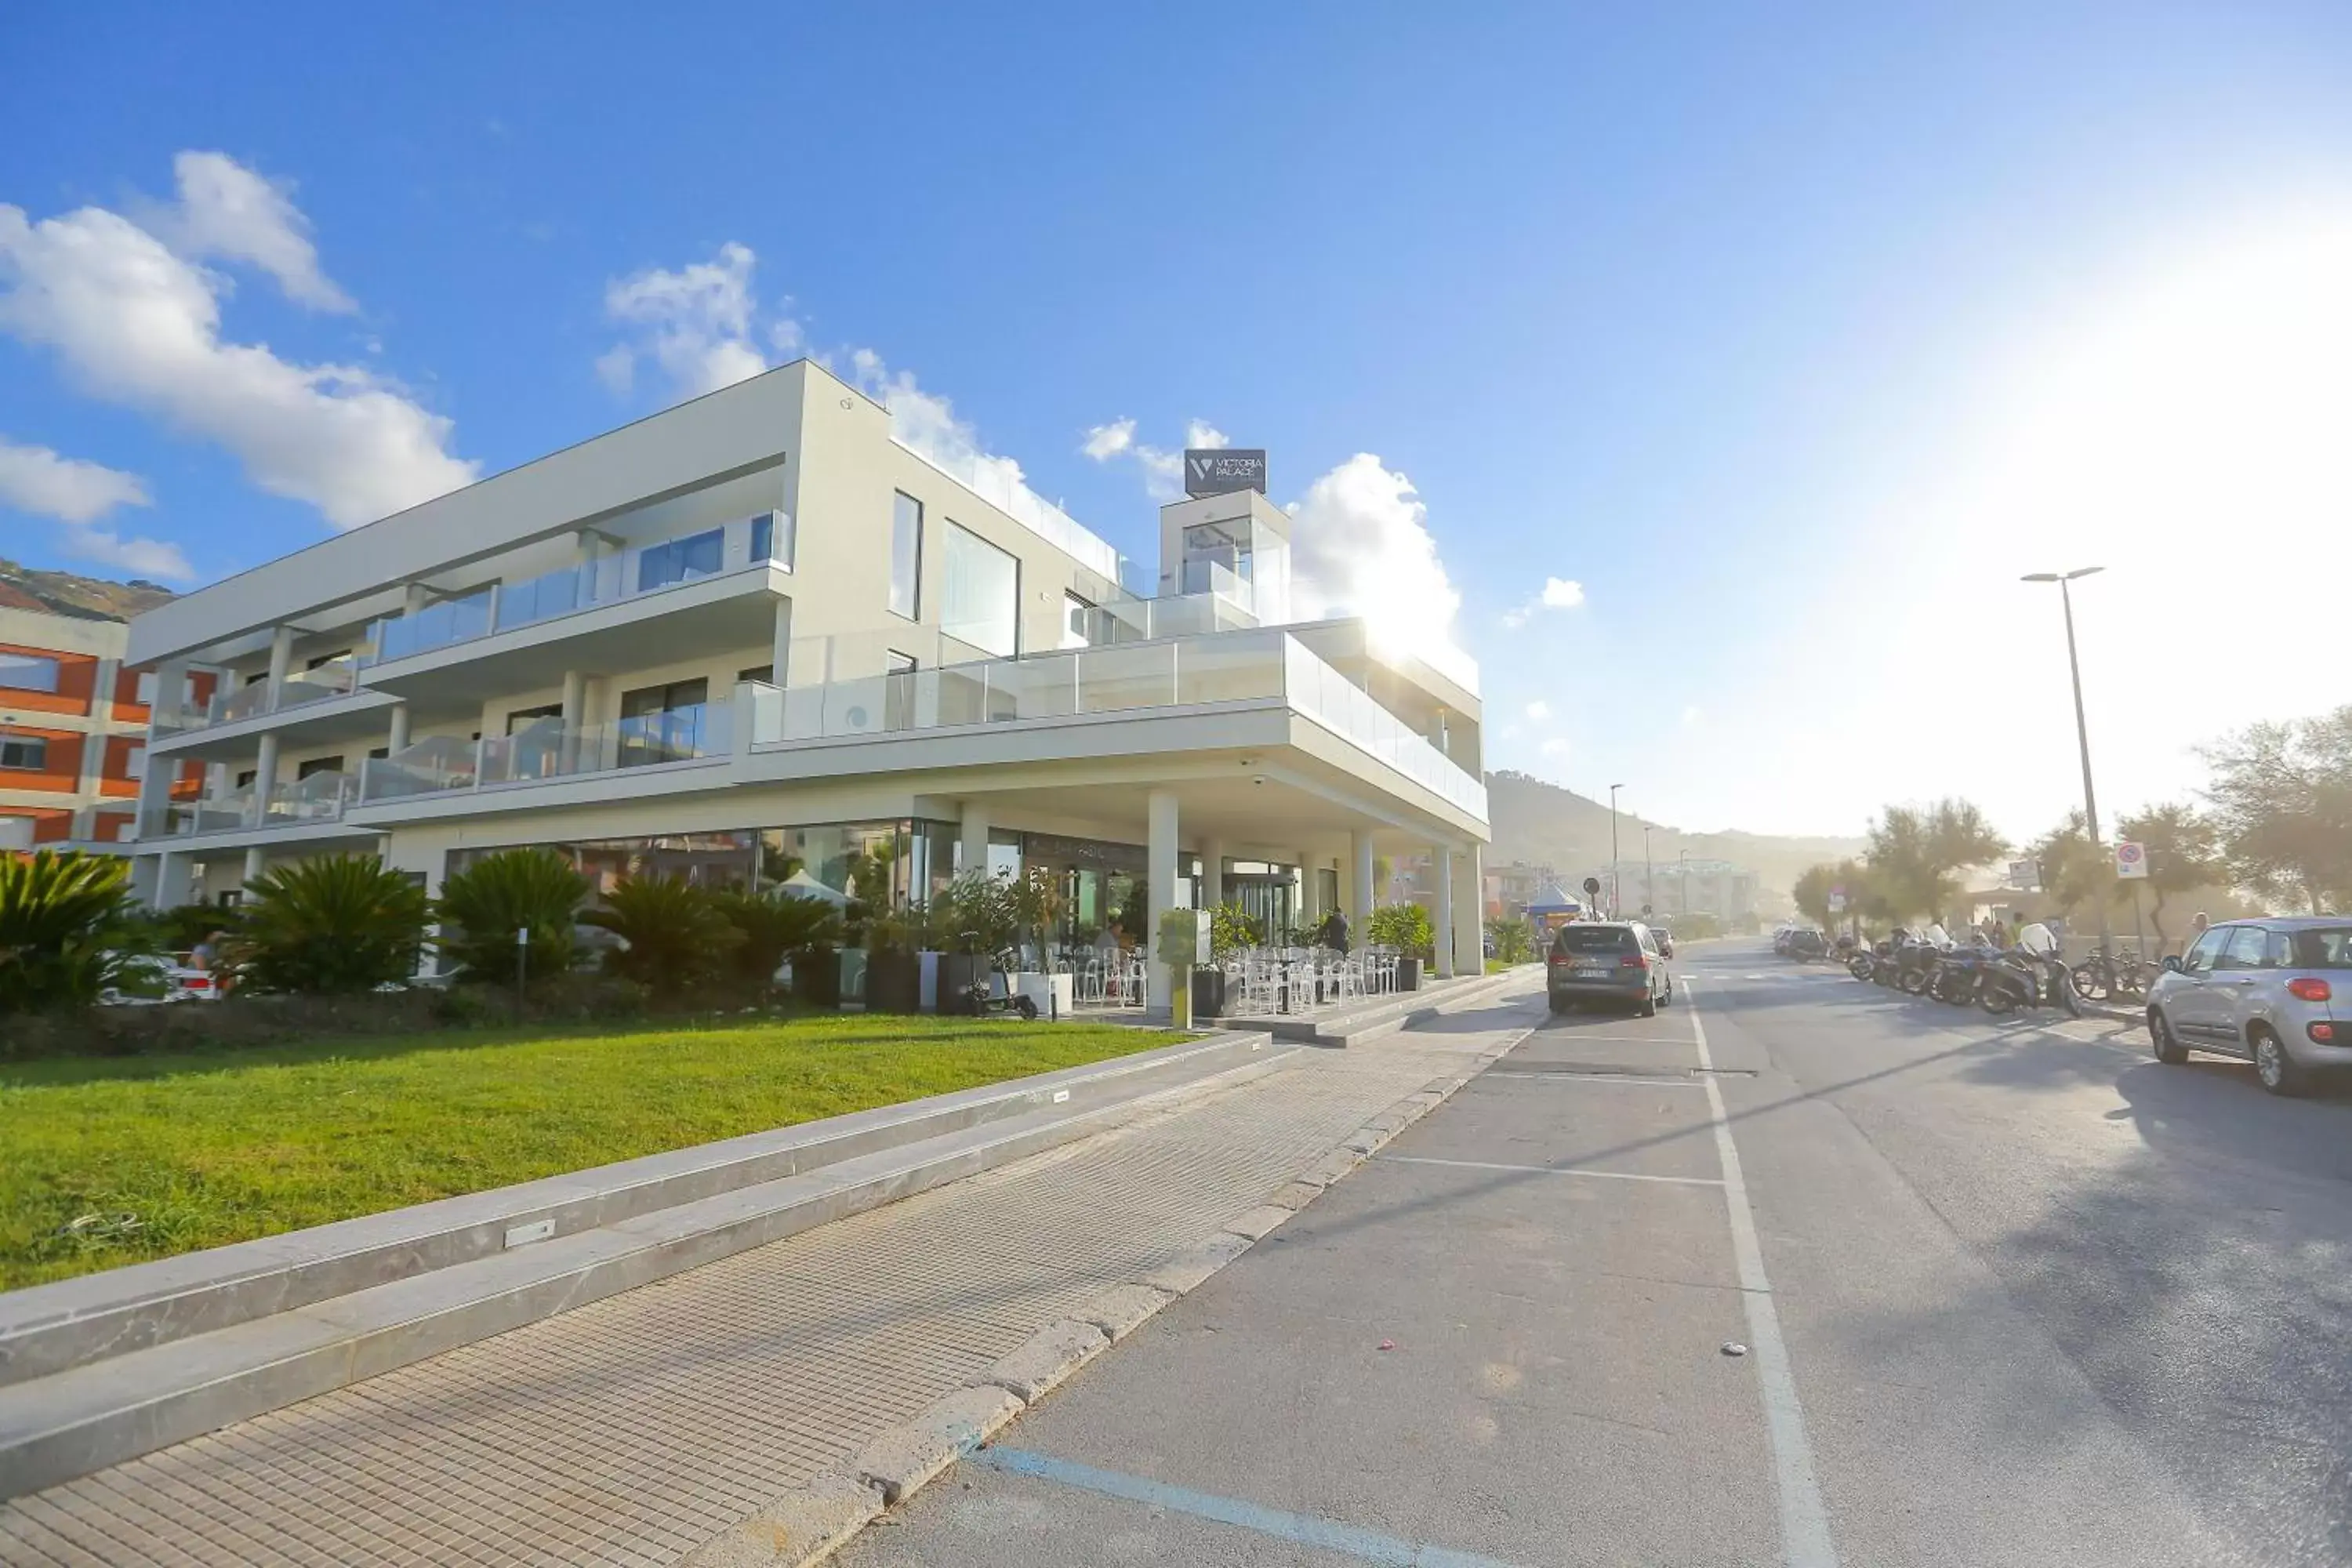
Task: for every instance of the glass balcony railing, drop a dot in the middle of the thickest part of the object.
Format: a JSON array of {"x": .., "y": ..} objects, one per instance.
[
  {"x": 319, "y": 798},
  {"x": 328, "y": 681},
  {"x": 1231, "y": 668},
  {"x": 547, "y": 751},
  {"x": 767, "y": 536}
]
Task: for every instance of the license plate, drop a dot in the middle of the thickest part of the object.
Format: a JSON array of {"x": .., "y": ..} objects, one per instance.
[{"x": 1588, "y": 963}]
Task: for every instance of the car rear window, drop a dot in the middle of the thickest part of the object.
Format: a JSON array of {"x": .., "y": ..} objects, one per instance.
[
  {"x": 2328, "y": 948},
  {"x": 1595, "y": 939}
]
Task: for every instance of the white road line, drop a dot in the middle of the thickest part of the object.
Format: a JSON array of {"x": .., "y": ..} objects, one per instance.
[
  {"x": 1550, "y": 1170},
  {"x": 1804, "y": 1523},
  {"x": 1617, "y": 1039}
]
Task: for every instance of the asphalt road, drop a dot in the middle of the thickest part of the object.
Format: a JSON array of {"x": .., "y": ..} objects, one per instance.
[{"x": 2009, "y": 1294}]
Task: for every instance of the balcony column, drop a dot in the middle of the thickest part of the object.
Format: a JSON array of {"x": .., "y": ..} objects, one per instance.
[
  {"x": 1305, "y": 914},
  {"x": 1446, "y": 958},
  {"x": 265, "y": 779},
  {"x": 174, "y": 881},
  {"x": 170, "y": 707},
  {"x": 155, "y": 776},
  {"x": 1213, "y": 873},
  {"x": 974, "y": 837},
  {"x": 257, "y": 861},
  {"x": 281, "y": 662},
  {"x": 575, "y": 711},
  {"x": 1469, "y": 930},
  {"x": 1359, "y": 886},
  {"x": 415, "y": 598},
  {"x": 1160, "y": 856},
  {"x": 780, "y": 646},
  {"x": 101, "y": 721},
  {"x": 397, "y": 740}
]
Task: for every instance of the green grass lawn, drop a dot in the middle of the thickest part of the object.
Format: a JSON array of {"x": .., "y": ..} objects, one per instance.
[{"x": 204, "y": 1150}]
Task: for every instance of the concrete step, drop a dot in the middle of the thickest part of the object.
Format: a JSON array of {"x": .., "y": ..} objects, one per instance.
[
  {"x": 113, "y": 1404},
  {"x": 1365, "y": 1021}
]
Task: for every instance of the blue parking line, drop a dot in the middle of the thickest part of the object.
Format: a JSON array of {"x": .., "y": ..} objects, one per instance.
[{"x": 1369, "y": 1546}]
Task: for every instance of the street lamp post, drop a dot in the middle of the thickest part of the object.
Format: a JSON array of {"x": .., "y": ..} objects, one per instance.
[
  {"x": 1683, "y": 881},
  {"x": 2082, "y": 727},
  {"x": 1616, "y": 895},
  {"x": 1649, "y": 873}
]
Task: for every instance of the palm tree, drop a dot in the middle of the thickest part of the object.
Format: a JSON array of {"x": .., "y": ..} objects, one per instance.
[
  {"x": 672, "y": 934},
  {"x": 61, "y": 928},
  {"x": 772, "y": 925},
  {"x": 335, "y": 924},
  {"x": 483, "y": 906}
]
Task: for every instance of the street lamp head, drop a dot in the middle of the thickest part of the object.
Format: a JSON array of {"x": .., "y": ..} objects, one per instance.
[
  {"x": 2039, "y": 577},
  {"x": 2082, "y": 571}
]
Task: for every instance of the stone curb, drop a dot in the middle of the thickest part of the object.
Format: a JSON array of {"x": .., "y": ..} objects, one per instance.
[
  {"x": 808, "y": 1524},
  {"x": 902, "y": 1459},
  {"x": 1123, "y": 1309},
  {"x": 804, "y": 1525},
  {"x": 1051, "y": 1354}
]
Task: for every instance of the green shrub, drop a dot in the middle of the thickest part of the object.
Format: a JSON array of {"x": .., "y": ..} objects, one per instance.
[
  {"x": 978, "y": 913},
  {"x": 65, "y": 929},
  {"x": 673, "y": 935},
  {"x": 1513, "y": 943},
  {"x": 330, "y": 926},
  {"x": 1230, "y": 929},
  {"x": 484, "y": 905},
  {"x": 1404, "y": 927},
  {"x": 772, "y": 925}
]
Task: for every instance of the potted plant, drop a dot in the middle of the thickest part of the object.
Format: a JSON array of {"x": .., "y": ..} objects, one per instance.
[
  {"x": 894, "y": 977},
  {"x": 1230, "y": 931},
  {"x": 1407, "y": 928},
  {"x": 978, "y": 920},
  {"x": 1037, "y": 900},
  {"x": 1181, "y": 938}
]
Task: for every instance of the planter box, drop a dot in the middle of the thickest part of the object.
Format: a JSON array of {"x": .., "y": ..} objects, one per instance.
[
  {"x": 1408, "y": 974},
  {"x": 893, "y": 981},
  {"x": 1054, "y": 993},
  {"x": 816, "y": 978},
  {"x": 927, "y": 988},
  {"x": 1208, "y": 994}
]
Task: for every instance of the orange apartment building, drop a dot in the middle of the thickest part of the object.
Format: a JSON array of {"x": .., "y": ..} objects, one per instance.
[{"x": 73, "y": 728}]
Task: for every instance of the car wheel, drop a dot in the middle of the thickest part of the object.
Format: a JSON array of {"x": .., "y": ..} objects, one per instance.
[
  {"x": 1648, "y": 1007},
  {"x": 2279, "y": 1072},
  {"x": 2168, "y": 1048},
  {"x": 1559, "y": 1005}
]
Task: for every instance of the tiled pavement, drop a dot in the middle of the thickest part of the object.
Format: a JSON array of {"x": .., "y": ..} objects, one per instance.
[{"x": 632, "y": 1429}]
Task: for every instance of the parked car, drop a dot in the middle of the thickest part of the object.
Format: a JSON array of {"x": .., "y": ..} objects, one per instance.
[
  {"x": 2264, "y": 990},
  {"x": 149, "y": 979},
  {"x": 1607, "y": 961},
  {"x": 1664, "y": 939}
]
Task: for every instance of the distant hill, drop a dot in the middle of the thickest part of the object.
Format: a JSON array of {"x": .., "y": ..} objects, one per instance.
[
  {"x": 68, "y": 593},
  {"x": 1544, "y": 825}
]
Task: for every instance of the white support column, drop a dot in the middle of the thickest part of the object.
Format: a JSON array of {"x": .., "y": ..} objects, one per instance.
[
  {"x": 173, "y": 881},
  {"x": 101, "y": 721},
  {"x": 265, "y": 779},
  {"x": 397, "y": 742},
  {"x": 1469, "y": 928},
  {"x": 281, "y": 662},
  {"x": 1444, "y": 913},
  {"x": 146, "y": 871},
  {"x": 1359, "y": 886},
  {"x": 171, "y": 696},
  {"x": 780, "y": 647},
  {"x": 257, "y": 861},
  {"x": 1213, "y": 873},
  {"x": 154, "y": 794},
  {"x": 1159, "y": 873},
  {"x": 1305, "y": 914},
  {"x": 414, "y": 598},
  {"x": 974, "y": 836}
]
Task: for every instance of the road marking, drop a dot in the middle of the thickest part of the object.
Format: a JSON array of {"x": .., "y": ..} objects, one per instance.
[
  {"x": 1303, "y": 1530},
  {"x": 1594, "y": 1077},
  {"x": 1551, "y": 1170},
  {"x": 1621, "y": 1040},
  {"x": 1804, "y": 1523}
]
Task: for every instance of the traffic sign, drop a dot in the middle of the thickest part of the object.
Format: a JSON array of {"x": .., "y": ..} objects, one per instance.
[{"x": 2131, "y": 860}]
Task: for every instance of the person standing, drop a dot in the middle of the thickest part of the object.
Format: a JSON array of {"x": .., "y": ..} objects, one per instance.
[{"x": 2197, "y": 925}]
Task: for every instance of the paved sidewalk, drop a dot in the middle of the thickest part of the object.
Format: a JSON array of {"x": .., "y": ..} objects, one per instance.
[{"x": 634, "y": 1428}]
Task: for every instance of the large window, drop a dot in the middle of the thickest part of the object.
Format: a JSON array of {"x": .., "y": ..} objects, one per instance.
[
  {"x": 663, "y": 723},
  {"x": 24, "y": 751},
  {"x": 906, "y": 556},
  {"x": 680, "y": 559},
  {"x": 984, "y": 594},
  {"x": 28, "y": 671}
]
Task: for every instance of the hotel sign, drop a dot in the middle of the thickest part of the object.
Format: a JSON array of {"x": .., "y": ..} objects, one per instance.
[{"x": 1220, "y": 471}]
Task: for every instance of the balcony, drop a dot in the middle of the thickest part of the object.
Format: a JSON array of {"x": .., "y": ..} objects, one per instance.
[
  {"x": 322, "y": 797},
  {"x": 336, "y": 679},
  {"x": 630, "y": 574},
  {"x": 547, "y": 751},
  {"x": 1265, "y": 665}
]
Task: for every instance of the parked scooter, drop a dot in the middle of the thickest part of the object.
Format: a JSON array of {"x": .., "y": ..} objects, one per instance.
[
  {"x": 1958, "y": 974},
  {"x": 2022, "y": 979}
]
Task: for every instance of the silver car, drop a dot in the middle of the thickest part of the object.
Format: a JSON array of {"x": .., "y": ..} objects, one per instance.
[{"x": 2264, "y": 990}]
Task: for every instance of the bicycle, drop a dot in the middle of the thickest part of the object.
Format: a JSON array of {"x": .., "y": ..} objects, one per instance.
[{"x": 2122, "y": 977}]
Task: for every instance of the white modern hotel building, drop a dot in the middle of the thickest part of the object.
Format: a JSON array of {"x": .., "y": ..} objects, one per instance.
[{"x": 755, "y": 638}]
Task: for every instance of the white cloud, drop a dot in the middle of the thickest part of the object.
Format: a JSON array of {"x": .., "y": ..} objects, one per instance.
[
  {"x": 77, "y": 493},
  {"x": 695, "y": 322},
  {"x": 1555, "y": 747},
  {"x": 1539, "y": 709},
  {"x": 1360, "y": 545},
  {"x": 1163, "y": 471},
  {"x": 1557, "y": 594},
  {"x": 925, "y": 423},
  {"x": 36, "y": 479},
  {"x": 227, "y": 211},
  {"x": 1693, "y": 718},
  {"x": 137, "y": 324}
]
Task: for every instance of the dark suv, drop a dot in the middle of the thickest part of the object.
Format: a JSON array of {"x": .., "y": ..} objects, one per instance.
[{"x": 1608, "y": 961}]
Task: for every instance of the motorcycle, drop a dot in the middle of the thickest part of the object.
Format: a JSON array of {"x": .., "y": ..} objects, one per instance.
[
  {"x": 1915, "y": 966},
  {"x": 2021, "y": 979},
  {"x": 1958, "y": 974}
]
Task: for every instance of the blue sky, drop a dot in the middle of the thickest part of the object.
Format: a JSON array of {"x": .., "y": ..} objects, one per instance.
[{"x": 1790, "y": 339}]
